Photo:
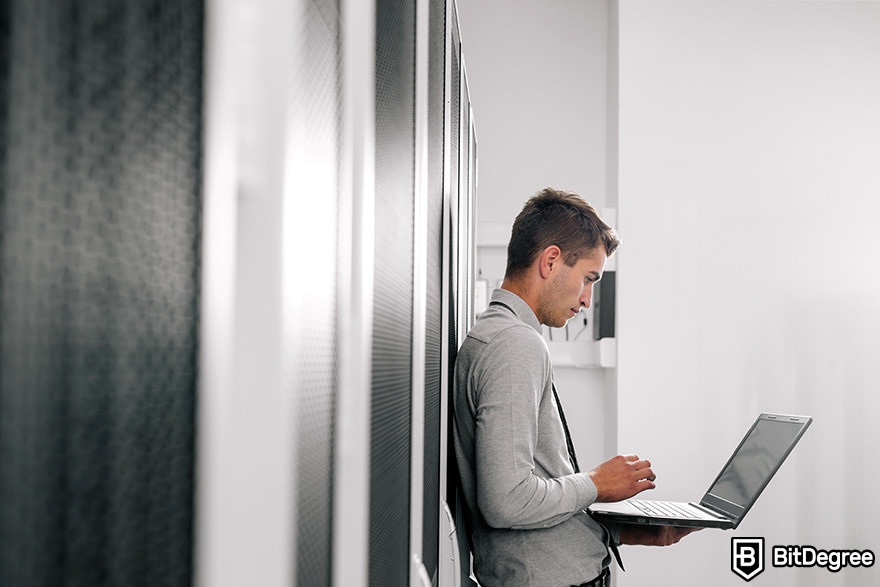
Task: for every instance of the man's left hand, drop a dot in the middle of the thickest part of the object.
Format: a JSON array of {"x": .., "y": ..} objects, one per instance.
[{"x": 653, "y": 535}]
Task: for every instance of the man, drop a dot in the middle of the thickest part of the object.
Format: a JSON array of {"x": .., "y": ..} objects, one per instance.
[{"x": 525, "y": 499}]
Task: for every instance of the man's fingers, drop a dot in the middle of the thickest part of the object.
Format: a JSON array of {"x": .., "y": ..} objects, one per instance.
[
  {"x": 644, "y": 471},
  {"x": 663, "y": 536},
  {"x": 623, "y": 477},
  {"x": 682, "y": 532},
  {"x": 645, "y": 476},
  {"x": 643, "y": 486}
]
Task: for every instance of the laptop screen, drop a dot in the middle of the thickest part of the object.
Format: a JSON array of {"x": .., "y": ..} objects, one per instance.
[{"x": 754, "y": 462}]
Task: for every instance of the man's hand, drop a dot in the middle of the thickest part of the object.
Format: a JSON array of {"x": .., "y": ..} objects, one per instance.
[
  {"x": 653, "y": 535},
  {"x": 622, "y": 477}
]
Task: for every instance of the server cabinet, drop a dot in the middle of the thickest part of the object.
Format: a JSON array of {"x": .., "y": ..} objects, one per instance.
[{"x": 100, "y": 229}]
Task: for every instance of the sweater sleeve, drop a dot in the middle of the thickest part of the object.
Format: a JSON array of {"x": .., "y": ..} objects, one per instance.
[{"x": 512, "y": 490}]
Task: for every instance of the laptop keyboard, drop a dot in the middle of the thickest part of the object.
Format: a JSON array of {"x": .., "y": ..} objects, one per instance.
[{"x": 663, "y": 508}]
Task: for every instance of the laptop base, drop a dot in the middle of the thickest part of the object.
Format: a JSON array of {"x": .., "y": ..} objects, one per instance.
[{"x": 625, "y": 513}]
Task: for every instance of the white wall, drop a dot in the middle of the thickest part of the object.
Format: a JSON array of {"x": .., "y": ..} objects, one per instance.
[
  {"x": 536, "y": 72},
  {"x": 749, "y": 204}
]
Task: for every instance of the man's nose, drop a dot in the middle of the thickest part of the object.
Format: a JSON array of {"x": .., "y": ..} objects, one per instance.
[{"x": 587, "y": 296}]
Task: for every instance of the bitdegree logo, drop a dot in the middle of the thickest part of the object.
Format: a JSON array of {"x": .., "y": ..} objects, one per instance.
[
  {"x": 747, "y": 557},
  {"x": 810, "y": 556}
]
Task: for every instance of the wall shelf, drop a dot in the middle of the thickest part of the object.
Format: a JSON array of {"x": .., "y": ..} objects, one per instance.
[{"x": 584, "y": 354}]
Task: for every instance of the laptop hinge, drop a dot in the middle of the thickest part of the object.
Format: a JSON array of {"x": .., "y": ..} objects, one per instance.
[{"x": 721, "y": 515}]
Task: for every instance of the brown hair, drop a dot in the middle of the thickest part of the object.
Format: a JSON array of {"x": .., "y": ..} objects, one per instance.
[{"x": 561, "y": 218}]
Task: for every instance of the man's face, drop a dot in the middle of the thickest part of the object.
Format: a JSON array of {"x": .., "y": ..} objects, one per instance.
[{"x": 568, "y": 289}]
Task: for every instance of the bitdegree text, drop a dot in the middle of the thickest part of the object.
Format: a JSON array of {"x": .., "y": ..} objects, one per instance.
[{"x": 810, "y": 556}]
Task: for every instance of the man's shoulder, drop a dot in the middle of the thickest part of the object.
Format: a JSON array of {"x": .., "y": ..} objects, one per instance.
[
  {"x": 499, "y": 327},
  {"x": 504, "y": 340}
]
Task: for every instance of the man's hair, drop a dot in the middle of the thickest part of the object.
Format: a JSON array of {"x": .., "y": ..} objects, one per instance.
[{"x": 561, "y": 218}]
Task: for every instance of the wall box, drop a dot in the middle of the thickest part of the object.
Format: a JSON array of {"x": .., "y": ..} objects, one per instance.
[{"x": 584, "y": 354}]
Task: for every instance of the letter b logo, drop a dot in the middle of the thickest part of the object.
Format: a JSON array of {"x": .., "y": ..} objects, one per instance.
[{"x": 747, "y": 557}]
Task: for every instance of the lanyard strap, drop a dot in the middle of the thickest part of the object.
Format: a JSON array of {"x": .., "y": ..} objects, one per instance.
[{"x": 574, "y": 463}]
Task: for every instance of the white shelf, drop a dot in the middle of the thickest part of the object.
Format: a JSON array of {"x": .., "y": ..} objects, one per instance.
[{"x": 585, "y": 354}]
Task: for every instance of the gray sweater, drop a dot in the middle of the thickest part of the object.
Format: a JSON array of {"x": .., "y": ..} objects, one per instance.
[{"x": 524, "y": 502}]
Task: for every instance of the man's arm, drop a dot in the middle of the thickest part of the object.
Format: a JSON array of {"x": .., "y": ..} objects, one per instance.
[
  {"x": 508, "y": 388},
  {"x": 506, "y": 401}
]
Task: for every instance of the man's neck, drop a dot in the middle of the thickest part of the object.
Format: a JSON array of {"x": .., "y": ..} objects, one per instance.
[{"x": 521, "y": 289}]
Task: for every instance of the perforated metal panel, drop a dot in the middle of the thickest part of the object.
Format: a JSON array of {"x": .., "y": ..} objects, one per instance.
[
  {"x": 434, "y": 292},
  {"x": 314, "y": 356},
  {"x": 99, "y": 273},
  {"x": 452, "y": 220},
  {"x": 393, "y": 307}
]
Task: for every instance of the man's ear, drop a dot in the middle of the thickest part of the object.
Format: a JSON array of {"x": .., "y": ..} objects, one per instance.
[{"x": 549, "y": 257}]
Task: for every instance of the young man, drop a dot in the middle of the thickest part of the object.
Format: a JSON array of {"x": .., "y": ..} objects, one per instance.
[{"x": 525, "y": 497}]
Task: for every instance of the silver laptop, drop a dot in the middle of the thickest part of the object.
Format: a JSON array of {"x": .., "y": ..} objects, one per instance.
[{"x": 737, "y": 487}]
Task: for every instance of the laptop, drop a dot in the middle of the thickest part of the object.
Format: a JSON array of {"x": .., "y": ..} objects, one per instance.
[{"x": 736, "y": 488}]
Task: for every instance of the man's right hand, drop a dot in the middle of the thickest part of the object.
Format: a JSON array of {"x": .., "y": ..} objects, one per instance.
[{"x": 622, "y": 477}]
